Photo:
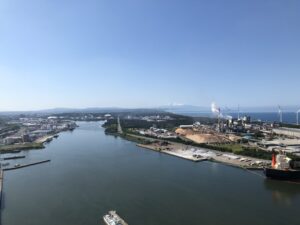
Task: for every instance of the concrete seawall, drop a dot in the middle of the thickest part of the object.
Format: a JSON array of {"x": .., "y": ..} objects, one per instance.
[
  {"x": 187, "y": 157},
  {"x": 215, "y": 156}
]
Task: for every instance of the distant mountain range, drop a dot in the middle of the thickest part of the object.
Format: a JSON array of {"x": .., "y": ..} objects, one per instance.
[
  {"x": 80, "y": 110},
  {"x": 174, "y": 108},
  {"x": 185, "y": 108}
]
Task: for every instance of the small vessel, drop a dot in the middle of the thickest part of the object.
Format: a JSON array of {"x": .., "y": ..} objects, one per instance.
[
  {"x": 282, "y": 168},
  {"x": 112, "y": 218}
]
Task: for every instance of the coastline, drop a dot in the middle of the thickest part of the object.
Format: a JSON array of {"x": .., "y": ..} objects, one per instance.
[
  {"x": 23, "y": 146},
  {"x": 172, "y": 153},
  {"x": 45, "y": 139},
  {"x": 37, "y": 144},
  {"x": 217, "y": 159},
  {"x": 186, "y": 152}
]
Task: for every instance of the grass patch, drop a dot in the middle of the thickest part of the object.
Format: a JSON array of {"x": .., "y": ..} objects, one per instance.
[
  {"x": 234, "y": 147},
  {"x": 24, "y": 146},
  {"x": 238, "y": 149}
]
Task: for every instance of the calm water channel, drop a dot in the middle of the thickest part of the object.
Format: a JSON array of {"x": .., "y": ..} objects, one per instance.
[{"x": 91, "y": 173}]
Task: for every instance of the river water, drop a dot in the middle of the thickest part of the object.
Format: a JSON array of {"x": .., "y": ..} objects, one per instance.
[{"x": 91, "y": 173}]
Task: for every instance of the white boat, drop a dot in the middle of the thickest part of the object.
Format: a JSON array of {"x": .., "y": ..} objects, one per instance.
[{"x": 112, "y": 218}]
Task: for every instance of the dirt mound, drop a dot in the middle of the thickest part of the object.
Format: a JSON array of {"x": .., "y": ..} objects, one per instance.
[
  {"x": 234, "y": 138},
  {"x": 183, "y": 132},
  {"x": 202, "y": 137}
]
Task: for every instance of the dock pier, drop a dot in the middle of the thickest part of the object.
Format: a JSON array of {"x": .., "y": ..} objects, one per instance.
[
  {"x": 168, "y": 152},
  {"x": 14, "y": 157},
  {"x": 25, "y": 165}
]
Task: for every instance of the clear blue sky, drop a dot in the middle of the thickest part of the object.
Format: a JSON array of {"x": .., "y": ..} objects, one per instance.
[{"x": 138, "y": 53}]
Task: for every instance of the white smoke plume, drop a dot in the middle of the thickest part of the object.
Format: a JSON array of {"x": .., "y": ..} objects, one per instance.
[
  {"x": 280, "y": 113},
  {"x": 279, "y": 109},
  {"x": 215, "y": 109}
]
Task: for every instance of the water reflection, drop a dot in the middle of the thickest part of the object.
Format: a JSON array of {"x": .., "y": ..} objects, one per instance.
[{"x": 282, "y": 191}]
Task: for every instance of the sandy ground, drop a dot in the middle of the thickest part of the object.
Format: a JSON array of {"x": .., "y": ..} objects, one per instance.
[
  {"x": 208, "y": 137},
  {"x": 44, "y": 139}
]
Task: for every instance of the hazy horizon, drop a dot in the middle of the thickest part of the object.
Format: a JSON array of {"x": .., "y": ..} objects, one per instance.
[
  {"x": 170, "y": 107},
  {"x": 144, "y": 54}
]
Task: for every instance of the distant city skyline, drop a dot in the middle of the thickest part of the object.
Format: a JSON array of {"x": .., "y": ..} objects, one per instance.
[{"x": 143, "y": 54}]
